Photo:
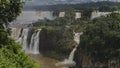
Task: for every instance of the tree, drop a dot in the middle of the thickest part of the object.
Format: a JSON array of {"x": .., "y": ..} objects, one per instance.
[
  {"x": 11, "y": 55},
  {"x": 101, "y": 38},
  {"x": 10, "y": 9}
]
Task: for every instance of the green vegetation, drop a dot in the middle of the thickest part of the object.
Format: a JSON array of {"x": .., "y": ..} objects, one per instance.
[
  {"x": 56, "y": 43},
  {"x": 102, "y": 6},
  {"x": 9, "y": 9},
  {"x": 100, "y": 42},
  {"x": 11, "y": 54},
  {"x": 101, "y": 37},
  {"x": 56, "y": 37}
]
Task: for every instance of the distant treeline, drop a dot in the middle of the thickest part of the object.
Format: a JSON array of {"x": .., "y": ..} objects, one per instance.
[{"x": 101, "y": 6}]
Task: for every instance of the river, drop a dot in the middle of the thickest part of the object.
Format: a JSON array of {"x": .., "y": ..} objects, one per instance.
[{"x": 44, "y": 62}]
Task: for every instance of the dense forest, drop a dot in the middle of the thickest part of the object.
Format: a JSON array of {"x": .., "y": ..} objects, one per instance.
[
  {"x": 100, "y": 43},
  {"x": 102, "y": 6}
]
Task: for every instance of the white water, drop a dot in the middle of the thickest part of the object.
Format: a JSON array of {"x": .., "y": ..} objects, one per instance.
[
  {"x": 70, "y": 62},
  {"x": 15, "y": 33},
  {"x": 77, "y": 40},
  {"x": 31, "y": 43},
  {"x": 22, "y": 36},
  {"x": 24, "y": 39},
  {"x": 34, "y": 43},
  {"x": 77, "y": 15}
]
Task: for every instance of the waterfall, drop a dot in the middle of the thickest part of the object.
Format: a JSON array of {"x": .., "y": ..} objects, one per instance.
[
  {"x": 77, "y": 15},
  {"x": 77, "y": 40},
  {"x": 70, "y": 62},
  {"x": 23, "y": 36},
  {"x": 23, "y": 39},
  {"x": 34, "y": 44},
  {"x": 15, "y": 33},
  {"x": 71, "y": 56}
]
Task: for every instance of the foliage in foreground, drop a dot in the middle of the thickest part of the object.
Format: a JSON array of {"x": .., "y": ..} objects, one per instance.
[{"x": 11, "y": 56}]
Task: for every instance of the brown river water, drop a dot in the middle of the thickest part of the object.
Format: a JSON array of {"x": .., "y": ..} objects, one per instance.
[{"x": 45, "y": 62}]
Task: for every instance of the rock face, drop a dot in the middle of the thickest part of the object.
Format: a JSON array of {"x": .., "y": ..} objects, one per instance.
[{"x": 85, "y": 61}]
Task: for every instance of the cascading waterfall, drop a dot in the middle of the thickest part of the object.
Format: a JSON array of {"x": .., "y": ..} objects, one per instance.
[
  {"x": 70, "y": 62},
  {"x": 15, "y": 33},
  {"x": 23, "y": 40},
  {"x": 77, "y": 40},
  {"x": 22, "y": 36},
  {"x": 34, "y": 45}
]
